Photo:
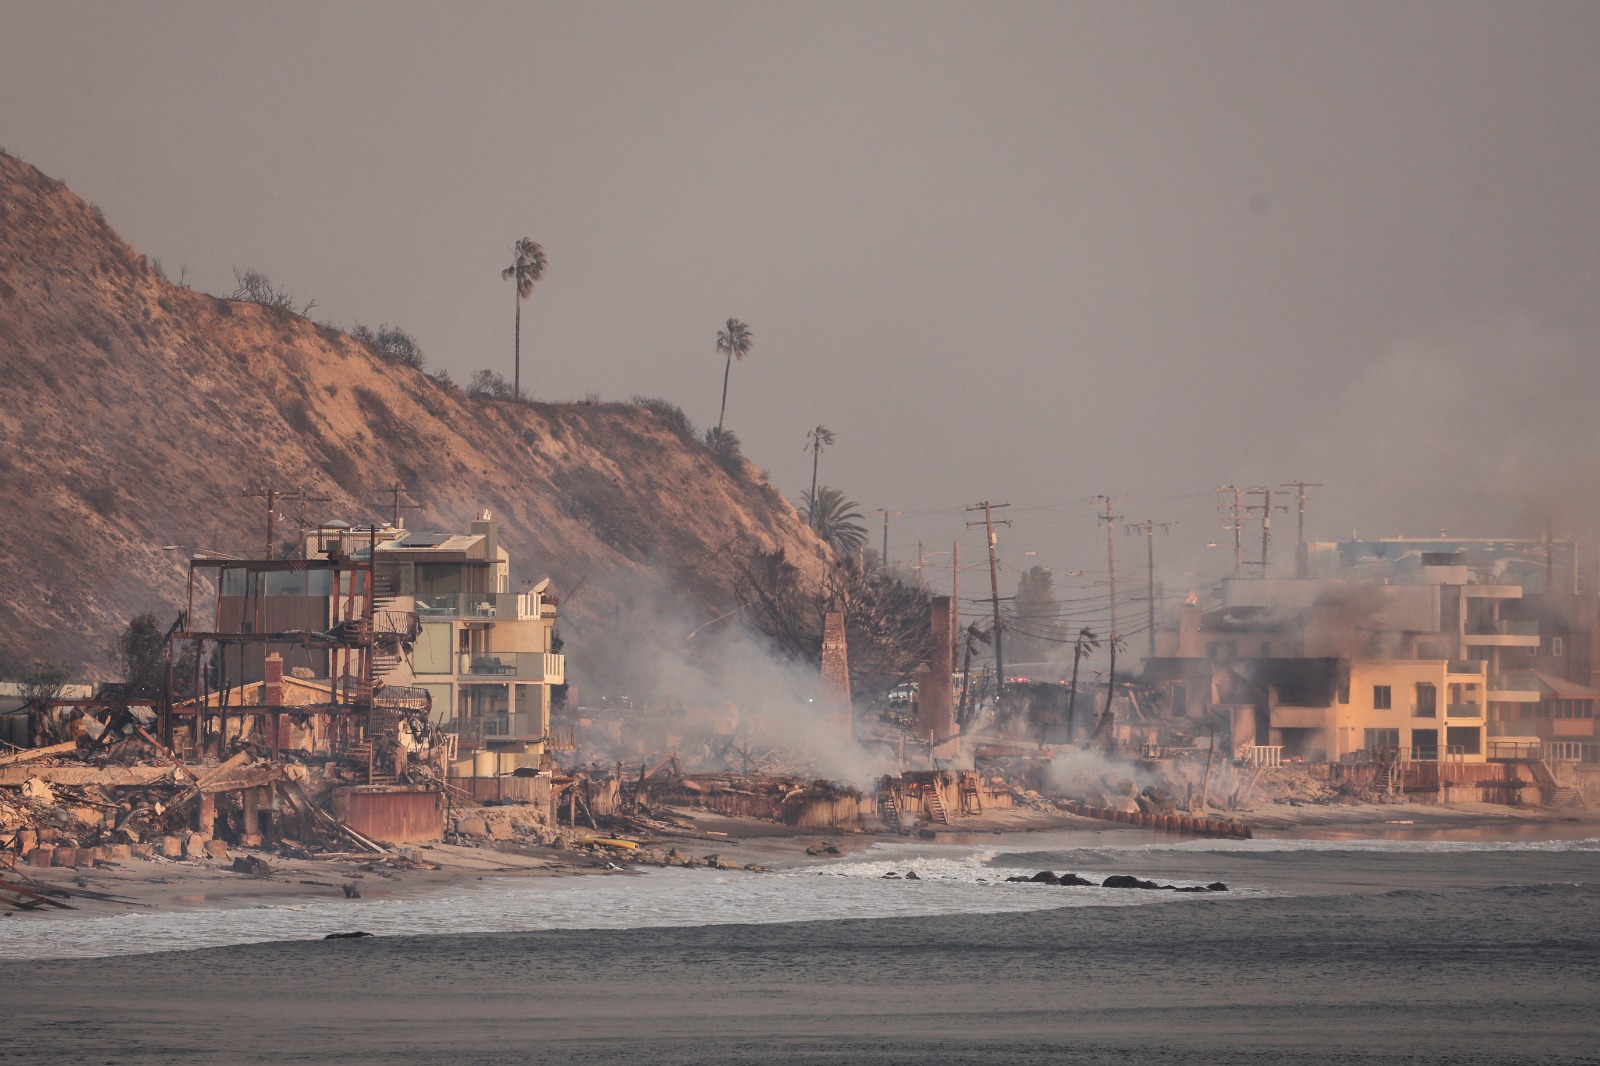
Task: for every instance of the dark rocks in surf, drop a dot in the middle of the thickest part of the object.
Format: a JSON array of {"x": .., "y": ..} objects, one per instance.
[{"x": 346, "y": 936}]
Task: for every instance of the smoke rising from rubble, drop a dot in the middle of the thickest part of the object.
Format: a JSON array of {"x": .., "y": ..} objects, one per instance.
[
  {"x": 722, "y": 676},
  {"x": 1073, "y": 773}
]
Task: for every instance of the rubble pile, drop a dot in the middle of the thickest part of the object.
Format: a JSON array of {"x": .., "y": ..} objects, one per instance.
[{"x": 81, "y": 802}]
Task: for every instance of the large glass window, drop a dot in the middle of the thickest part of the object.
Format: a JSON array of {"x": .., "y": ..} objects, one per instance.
[
  {"x": 1427, "y": 705},
  {"x": 438, "y": 578},
  {"x": 1382, "y": 699},
  {"x": 1383, "y": 740},
  {"x": 431, "y": 653}
]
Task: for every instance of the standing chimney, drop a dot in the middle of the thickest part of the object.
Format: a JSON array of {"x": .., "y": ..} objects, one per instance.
[{"x": 835, "y": 693}]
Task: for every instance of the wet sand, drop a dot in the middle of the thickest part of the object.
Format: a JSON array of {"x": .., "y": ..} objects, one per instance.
[{"x": 172, "y": 885}]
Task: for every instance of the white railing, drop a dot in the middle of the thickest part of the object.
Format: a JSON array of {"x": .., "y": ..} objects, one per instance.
[{"x": 1266, "y": 755}]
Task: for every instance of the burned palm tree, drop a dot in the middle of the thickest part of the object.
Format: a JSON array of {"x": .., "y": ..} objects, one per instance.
[
  {"x": 1084, "y": 646},
  {"x": 816, "y": 440},
  {"x": 528, "y": 264},
  {"x": 734, "y": 342}
]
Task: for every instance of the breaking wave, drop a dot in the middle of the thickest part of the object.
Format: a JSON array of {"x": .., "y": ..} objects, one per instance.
[{"x": 951, "y": 880}]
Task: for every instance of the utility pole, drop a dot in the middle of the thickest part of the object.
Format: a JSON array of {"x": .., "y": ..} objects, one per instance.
[
  {"x": 1111, "y": 554},
  {"x": 1302, "y": 563},
  {"x": 988, "y": 524},
  {"x": 1549, "y": 554},
  {"x": 1265, "y": 507},
  {"x": 273, "y": 497},
  {"x": 919, "y": 568},
  {"x": 887, "y": 514},
  {"x": 1148, "y": 528},
  {"x": 1235, "y": 522},
  {"x": 955, "y": 587},
  {"x": 393, "y": 493}
]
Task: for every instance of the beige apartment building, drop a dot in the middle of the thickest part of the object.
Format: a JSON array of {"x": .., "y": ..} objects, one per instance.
[{"x": 486, "y": 653}]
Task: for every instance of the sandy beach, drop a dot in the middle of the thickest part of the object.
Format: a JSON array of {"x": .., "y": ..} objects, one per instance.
[
  {"x": 172, "y": 885},
  {"x": 1355, "y": 941}
]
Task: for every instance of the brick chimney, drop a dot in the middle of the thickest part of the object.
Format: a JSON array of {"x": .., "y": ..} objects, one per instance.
[
  {"x": 272, "y": 688},
  {"x": 835, "y": 692}
]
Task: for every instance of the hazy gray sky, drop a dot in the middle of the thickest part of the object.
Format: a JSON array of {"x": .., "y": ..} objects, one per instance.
[{"x": 1019, "y": 251}]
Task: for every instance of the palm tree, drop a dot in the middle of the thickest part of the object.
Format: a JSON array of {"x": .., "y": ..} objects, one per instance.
[
  {"x": 835, "y": 519},
  {"x": 816, "y": 440},
  {"x": 734, "y": 342},
  {"x": 1086, "y": 645},
  {"x": 527, "y": 266}
]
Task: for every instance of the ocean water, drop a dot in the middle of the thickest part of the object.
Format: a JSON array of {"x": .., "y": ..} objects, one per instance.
[{"x": 1354, "y": 951}]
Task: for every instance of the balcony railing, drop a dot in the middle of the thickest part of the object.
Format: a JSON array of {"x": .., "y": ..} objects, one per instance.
[
  {"x": 478, "y": 605},
  {"x": 1464, "y": 710},
  {"x": 546, "y": 668},
  {"x": 1425, "y": 710},
  {"x": 493, "y": 728},
  {"x": 1503, "y": 627},
  {"x": 1515, "y": 749},
  {"x": 1266, "y": 755},
  {"x": 1467, "y": 666}
]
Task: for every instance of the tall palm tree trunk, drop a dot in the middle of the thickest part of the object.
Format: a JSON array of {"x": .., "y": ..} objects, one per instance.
[
  {"x": 516, "y": 364},
  {"x": 1072, "y": 693},
  {"x": 726, "y": 371},
  {"x": 816, "y": 454}
]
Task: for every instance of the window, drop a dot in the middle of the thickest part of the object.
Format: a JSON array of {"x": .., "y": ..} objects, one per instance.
[
  {"x": 1383, "y": 740},
  {"x": 1212, "y": 648},
  {"x": 1556, "y": 646},
  {"x": 1427, "y": 703},
  {"x": 1381, "y": 700},
  {"x": 1180, "y": 700},
  {"x": 1464, "y": 740}
]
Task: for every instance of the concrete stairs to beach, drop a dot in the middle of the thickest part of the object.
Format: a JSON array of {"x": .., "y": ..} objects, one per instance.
[{"x": 1567, "y": 796}]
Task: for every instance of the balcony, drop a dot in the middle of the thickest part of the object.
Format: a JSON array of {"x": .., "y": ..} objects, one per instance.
[
  {"x": 1513, "y": 688},
  {"x": 1464, "y": 710},
  {"x": 476, "y": 606},
  {"x": 1467, "y": 666},
  {"x": 494, "y": 728},
  {"x": 1503, "y": 633},
  {"x": 545, "y": 668}
]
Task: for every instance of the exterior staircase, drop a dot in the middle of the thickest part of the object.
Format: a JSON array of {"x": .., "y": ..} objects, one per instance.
[
  {"x": 936, "y": 808},
  {"x": 889, "y": 810},
  {"x": 1567, "y": 796},
  {"x": 1549, "y": 787}
]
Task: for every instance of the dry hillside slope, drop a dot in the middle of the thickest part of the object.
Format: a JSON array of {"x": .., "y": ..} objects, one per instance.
[{"x": 135, "y": 413}]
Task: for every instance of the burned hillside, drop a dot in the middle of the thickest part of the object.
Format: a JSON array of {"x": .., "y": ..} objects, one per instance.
[{"x": 138, "y": 412}]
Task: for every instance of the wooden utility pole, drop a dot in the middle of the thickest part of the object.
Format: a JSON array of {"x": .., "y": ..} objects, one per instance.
[
  {"x": 393, "y": 494},
  {"x": 273, "y": 497},
  {"x": 1111, "y": 554},
  {"x": 1148, "y": 528},
  {"x": 1265, "y": 507},
  {"x": 1234, "y": 520},
  {"x": 955, "y": 590},
  {"x": 883, "y": 560},
  {"x": 920, "y": 563},
  {"x": 988, "y": 524},
  {"x": 1302, "y": 563}
]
